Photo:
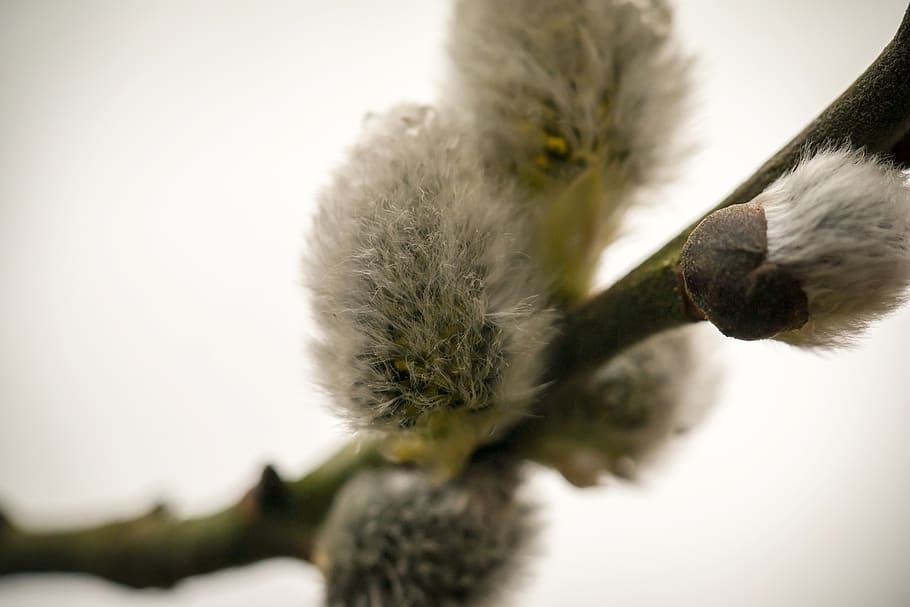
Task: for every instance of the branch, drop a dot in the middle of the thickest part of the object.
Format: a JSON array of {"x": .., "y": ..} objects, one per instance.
[
  {"x": 278, "y": 518},
  {"x": 873, "y": 113},
  {"x": 275, "y": 518}
]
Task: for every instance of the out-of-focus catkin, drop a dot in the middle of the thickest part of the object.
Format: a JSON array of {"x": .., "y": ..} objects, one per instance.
[
  {"x": 398, "y": 538},
  {"x": 579, "y": 103}
]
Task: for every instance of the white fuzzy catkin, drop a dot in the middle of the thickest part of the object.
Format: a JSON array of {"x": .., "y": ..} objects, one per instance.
[
  {"x": 562, "y": 91},
  {"x": 396, "y": 538},
  {"x": 840, "y": 222},
  {"x": 422, "y": 288},
  {"x": 630, "y": 408}
]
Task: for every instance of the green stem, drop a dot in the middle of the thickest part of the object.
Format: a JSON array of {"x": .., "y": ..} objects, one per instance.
[{"x": 275, "y": 518}]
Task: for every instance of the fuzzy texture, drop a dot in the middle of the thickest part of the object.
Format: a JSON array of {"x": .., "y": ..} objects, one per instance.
[
  {"x": 630, "y": 410},
  {"x": 579, "y": 102},
  {"x": 840, "y": 222},
  {"x": 397, "y": 539},
  {"x": 430, "y": 309}
]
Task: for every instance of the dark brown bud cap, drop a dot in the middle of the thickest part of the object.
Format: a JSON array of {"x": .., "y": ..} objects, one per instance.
[{"x": 729, "y": 278}]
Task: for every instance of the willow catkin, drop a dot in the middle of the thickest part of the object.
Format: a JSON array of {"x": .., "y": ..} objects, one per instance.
[
  {"x": 397, "y": 538},
  {"x": 431, "y": 313},
  {"x": 839, "y": 222},
  {"x": 579, "y": 103}
]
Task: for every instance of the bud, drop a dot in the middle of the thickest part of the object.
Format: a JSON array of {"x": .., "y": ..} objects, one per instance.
[
  {"x": 395, "y": 537},
  {"x": 840, "y": 224},
  {"x": 812, "y": 260},
  {"x": 576, "y": 102},
  {"x": 431, "y": 315}
]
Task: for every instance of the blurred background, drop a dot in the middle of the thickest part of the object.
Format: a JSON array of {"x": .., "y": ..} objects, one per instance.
[{"x": 159, "y": 163}]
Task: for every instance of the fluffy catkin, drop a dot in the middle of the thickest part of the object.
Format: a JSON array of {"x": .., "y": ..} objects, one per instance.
[
  {"x": 579, "y": 103},
  {"x": 840, "y": 223},
  {"x": 396, "y": 538},
  {"x": 629, "y": 408},
  {"x": 431, "y": 313}
]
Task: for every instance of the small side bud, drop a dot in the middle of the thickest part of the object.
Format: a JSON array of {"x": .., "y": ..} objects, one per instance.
[
  {"x": 271, "y": 493},
  {"x": 395, "y": 537}
]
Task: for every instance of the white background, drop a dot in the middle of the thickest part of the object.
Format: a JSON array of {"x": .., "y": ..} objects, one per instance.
[{"x": 158, "y": 164}]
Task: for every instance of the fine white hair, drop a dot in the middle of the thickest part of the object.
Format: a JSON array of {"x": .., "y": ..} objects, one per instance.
[
  {"x": 840, "y": 223},
  {"x": 396, "y": 538},
  {"x": 556, "y": 88},
  {"x": 421, "y": 285}
]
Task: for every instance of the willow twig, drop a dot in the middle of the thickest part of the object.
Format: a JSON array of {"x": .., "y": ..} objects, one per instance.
[
  {"x": 275, "y": 518},
  {"x": 278, "y": 518},
  {"x": 873, "y": 113}
]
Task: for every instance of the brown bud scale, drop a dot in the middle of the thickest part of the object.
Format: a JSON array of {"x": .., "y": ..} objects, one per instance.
[{"x": 729, "y": 278}]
